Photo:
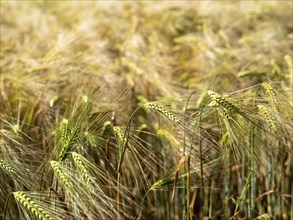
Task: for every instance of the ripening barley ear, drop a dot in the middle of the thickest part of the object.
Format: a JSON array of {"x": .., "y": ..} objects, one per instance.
[
  {"x": 236, "y": 121},
  {"x": 41, "y": 206},
  {"x": 162, "y": 110},
  {"x": 61, "y": 175},
  {"x": 275, "y": 110},
  {"x": 67, "y": 138},
  {"x": 7, "y": 168},
  {"x": 170, "y": 179},
  {"x": 16, "y": 166},
  {"x": 83, "y": 170},
  {"x": 269, "y": 118},
  {"x": 31, "y": 207},
  {"x": 119, "y": 135},
  {"x": 105, "y": 126},
  {"x": 165, "y": 134},
  {"x": 227, "y": 107},
  {"x": 271, "y": 96}
]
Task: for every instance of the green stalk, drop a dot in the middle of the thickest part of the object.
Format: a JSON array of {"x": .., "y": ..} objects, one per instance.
[
  {"x": 242, "y": 195},
  {"x": 211, "y": 200},
  {"x": 186, "y": 181},
  {"x": 227, "y": 181},
  {"x": 202, "y": 198},
  {"x": 123, "y": 150},
  {"x": 251, "y": 167},
  {"x": 6, "y": 207}
]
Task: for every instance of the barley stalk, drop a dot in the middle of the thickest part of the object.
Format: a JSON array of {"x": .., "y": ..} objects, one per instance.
[{"x": 32, "y": 206}]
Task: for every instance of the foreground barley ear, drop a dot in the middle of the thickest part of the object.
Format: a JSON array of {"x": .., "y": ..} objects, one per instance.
[{"x": 31, "y": 206}]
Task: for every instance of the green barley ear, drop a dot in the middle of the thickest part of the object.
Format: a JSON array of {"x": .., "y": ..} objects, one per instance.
[
  {"x": 223, "y": 102},
  {"x": 83, "y": 170},
  {"x": 227, "y": 107},
  {"x": 7, "y": 168},
  {"x": 54, "y": 100},
  {"x": 171, "y": 177},
  {"x": 250, "y": 73},
  {"x": 268, "y": 115},
  {"x": 119, "y": 134},
  {"x": 167, "y": 135},
  {"x": 163, "y": 182},
  {"x": 68, "y": 138},
  {"x": 106, "y": 124},
  {"x": 162, "y": 110},
  {"x": 271, "y": 95},
  {"x": 59, "y": 173},
  {"x": 65, "y": 129},
  {"x": 31, "y": 206}
]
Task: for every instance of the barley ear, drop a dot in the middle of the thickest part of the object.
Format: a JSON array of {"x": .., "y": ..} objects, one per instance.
[
  {"x": 268, "y": 115},
  {"x": 68, "y": 138},
  {"x": 162, "y": 110},
  {"x": 32, "y": 206},
  {"x": 271, "y": 95},
  {"x": 119, "y": 134},
  {"x": 227, "y": 107},
  {"x": 59, "y": 173},
  {"x": 8, "y": 169},
  {"x": 83, "y": 170}
]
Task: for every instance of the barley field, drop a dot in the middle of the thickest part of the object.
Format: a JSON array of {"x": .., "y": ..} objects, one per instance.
[{"x": 146, "y": 110}]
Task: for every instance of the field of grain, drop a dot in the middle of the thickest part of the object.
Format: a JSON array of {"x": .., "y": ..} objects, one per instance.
[{"x": 175, "y": 110}]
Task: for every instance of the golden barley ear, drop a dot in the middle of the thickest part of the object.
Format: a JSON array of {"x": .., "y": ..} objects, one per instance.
[{"x": 30, "y": 205}]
